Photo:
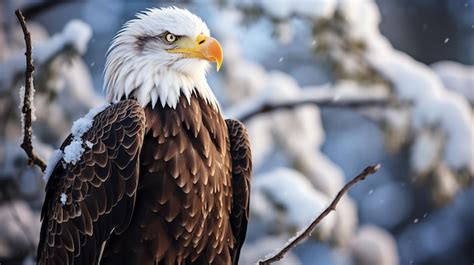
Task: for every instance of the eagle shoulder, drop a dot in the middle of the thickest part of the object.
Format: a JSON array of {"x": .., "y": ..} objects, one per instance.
[{"x": 89, "y": 199}]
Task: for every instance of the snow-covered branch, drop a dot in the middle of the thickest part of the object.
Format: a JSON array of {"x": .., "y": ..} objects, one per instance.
[
  {"x": 245, "y": 111},
  {"x": 307, "y": 232},
  {"x": 28, "y": 94},
  {"x": 74, "y": 37},
  {"x": 438, "y": 118}
]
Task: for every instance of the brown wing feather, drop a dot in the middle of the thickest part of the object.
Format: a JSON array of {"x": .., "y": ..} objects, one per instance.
[
  {"x": 241, "y": 174},
  {"x": 100, "y": 189}
]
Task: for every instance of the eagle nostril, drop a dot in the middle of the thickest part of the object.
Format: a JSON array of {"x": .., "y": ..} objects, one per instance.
[{"x": 201, "y": 42}]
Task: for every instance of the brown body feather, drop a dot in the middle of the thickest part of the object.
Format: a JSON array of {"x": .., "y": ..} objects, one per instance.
[{"x": 159, "y": 186}]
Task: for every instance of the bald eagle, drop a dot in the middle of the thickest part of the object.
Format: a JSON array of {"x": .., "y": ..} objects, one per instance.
[{"x": 158, "y": 176}]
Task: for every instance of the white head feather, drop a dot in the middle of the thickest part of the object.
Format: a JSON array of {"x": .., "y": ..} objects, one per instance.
[{"x": 139, "y": 65}]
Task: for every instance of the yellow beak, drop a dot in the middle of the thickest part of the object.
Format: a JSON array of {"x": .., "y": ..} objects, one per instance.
[{"x": 204, "y": 47}]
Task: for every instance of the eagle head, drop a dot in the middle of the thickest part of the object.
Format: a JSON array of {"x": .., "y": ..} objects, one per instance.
[{"x": 161, "y": 55}]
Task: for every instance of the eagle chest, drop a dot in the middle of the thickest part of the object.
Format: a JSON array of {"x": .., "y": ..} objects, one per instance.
[{"x": 185, "y": 179}]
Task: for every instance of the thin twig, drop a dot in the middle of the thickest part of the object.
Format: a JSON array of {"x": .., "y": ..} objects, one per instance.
[
  {"x": 27, "y": 145},
  {"x": 307, "y": 232}
]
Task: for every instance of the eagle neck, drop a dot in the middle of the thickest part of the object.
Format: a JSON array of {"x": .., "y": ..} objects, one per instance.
[{"x": 165, "y": 87}]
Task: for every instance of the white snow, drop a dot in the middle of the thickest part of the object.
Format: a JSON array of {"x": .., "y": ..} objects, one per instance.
[
  {"x": 76, "y": 34},
  {"x": 78, "y": 86},
  {"x": 301, "y": 202},
  {"x": 291, "y": 135},
  {"x": 312, "y": 8},
  {"x": 255, "y": 251},
  {"x": 373, "y": 245},
  {"x": 73, "y": 152},
  {"x": 31, "y": 99},
  {"x": 262, "y": 208},
  {"x": 456, "y": 77},
  {"x": 326, "y": 176},
  {"x": 436, "y": 121},
  {"x": 289, "y": 127},
  {"x": 82, "y": 125},
  {"x": 22, "y": 102},
  {"x": 20, "y": 106},
  {"x": 89, "y": 144},
  {"x": 425, "y": 153},
  {"x": 55, "y": 157},
  {"x": 15, "y": 216},
  {"x": 290, "y": 93},
  {"x": 63, "y": 198},
  {"x": 346, "y": 221},
  {"x": 362, "y": 15},
  {"x": 434, "y": 107},
  {"x": 260, "y": 131}
]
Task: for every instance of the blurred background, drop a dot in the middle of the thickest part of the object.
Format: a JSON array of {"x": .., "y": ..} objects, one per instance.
[{"x": 417, "y": 55}]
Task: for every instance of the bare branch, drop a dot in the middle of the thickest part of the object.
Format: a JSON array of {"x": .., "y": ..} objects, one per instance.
[
  {"x": 27, "y": 145},
  {"x": 307, "y": 232},
  {"x": 250, "y": 109}
]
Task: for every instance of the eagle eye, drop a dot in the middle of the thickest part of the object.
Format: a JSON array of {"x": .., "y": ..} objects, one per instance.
[{"x": 170, "y": 38}]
